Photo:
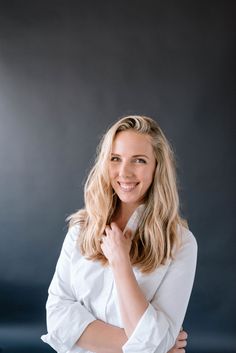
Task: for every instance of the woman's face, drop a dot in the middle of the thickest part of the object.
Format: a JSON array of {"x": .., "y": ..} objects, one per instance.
[{"x": 132, "y": 166}]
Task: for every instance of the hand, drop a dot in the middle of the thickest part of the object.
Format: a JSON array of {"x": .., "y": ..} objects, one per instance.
[
  {"x": 180, "y": 343},
  {"x": 115, "y": 245}
]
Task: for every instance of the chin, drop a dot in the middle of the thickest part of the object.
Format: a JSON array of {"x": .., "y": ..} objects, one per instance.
[{"x": 128, "y": 200}]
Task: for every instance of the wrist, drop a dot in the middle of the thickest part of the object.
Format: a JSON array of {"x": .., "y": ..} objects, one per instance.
[{"x": 121, "y": 264}]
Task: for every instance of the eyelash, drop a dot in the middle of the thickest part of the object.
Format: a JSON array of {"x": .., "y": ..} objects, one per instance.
[{"x": 138, "y": 160}]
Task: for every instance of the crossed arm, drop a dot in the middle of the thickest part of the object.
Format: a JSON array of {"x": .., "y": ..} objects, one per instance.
[
  {"x": 111, "y": 339},
  {"x": 68, "y": 319}
]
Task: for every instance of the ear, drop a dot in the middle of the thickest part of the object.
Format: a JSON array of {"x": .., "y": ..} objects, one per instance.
[{"x": 128, "y": 234}]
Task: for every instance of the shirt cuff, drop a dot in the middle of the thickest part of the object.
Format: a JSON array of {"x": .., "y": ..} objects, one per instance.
[
  {"x": 149, "y": 332},
  {"x": 66, "y": 334}
]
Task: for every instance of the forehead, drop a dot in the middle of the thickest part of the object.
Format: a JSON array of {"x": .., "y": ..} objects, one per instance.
[{"x": 130, "y": 142}]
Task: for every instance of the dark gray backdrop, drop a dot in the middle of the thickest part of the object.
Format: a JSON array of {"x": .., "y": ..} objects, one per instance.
[{"x": 67, "y": 71}]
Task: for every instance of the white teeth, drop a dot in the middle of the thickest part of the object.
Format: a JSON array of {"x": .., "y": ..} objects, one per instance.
[{"x": 127, "y": 187}]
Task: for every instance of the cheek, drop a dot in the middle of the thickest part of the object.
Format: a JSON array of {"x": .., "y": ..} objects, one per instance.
[
  {"x": 148, "y": 177},
  {"x": 148, "y": 182},
  {"x": 112, "y": 172}
]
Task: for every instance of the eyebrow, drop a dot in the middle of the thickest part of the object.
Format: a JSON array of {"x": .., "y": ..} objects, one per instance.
[{"x": 134, "y": 156}]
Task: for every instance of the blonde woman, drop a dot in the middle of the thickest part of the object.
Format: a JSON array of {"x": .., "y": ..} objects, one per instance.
[{"x": 126, "y": 270}]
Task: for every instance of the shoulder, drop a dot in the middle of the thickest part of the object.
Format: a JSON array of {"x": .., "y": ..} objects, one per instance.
[
  {"x": 187, "y": 238},
  {"x": 71, "y": 238},
  {"x": 73, "y": 232},
  {"x": 188, "y": 246}
]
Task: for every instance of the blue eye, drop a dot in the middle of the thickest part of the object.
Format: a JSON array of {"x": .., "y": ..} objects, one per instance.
[{"x": 140, "y": 160}]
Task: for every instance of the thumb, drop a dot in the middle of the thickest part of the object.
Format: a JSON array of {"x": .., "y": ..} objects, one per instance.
[{"x": 128, "y": 234}]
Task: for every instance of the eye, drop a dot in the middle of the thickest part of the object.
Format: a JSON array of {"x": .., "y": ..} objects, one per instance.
[
  {"x": 140, "y": 160},
  {"x": 115, "y": 159}
]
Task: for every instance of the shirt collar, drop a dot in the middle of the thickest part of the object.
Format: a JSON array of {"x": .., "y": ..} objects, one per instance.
[{"x": 134, "y": 219}]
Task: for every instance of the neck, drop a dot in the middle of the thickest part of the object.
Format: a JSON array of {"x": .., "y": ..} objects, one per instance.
[
  {"x": 125, "y": 210},
  {"x": 123, "y": 214}
]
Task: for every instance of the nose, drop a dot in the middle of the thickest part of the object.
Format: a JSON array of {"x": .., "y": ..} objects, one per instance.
[{"x": 126, "y": 170}]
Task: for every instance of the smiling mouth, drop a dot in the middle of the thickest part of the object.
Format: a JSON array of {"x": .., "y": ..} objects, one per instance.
[{"x": 127, "y": 187}]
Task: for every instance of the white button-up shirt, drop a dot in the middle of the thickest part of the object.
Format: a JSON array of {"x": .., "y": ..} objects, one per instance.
[{"x": 82, "y": 291}]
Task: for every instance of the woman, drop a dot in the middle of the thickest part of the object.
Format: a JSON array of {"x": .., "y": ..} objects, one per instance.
[{"x": 127, "y": 265}]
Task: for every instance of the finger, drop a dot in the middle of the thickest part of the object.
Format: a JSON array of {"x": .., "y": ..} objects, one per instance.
[
  {"x": 182, "y": 335},
  {"x": 115, "y": 227},
  {"x": 102, "y": 239},
  {"x": 182, "y": 350},
  {"x": 128, "y": 234},
  {"x": 107, "y": 229},
  {"x": 181, "y": 344},
  {"x": 116, "y": 231}
]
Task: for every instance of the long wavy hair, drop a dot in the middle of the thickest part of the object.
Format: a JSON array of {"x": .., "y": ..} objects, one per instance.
[{"x": 157, "y": 235}]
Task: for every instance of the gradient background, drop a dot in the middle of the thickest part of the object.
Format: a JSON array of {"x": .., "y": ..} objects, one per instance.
[{"x": 67, "y": 71}]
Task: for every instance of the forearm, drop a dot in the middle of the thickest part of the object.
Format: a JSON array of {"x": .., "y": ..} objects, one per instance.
[
  {"x": 101, "y": 337},
  {"x": 132, "y": 301}
]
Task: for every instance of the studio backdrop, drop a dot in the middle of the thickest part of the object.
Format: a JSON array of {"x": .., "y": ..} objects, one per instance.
[{"x": 67, "y": 71}]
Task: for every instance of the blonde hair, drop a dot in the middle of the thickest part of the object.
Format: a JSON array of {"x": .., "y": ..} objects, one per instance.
[{"x": 157, "y": 234}]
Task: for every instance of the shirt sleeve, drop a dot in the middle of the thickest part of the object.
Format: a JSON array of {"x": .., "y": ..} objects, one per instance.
[
  {"x": 67, "y": 318},
  {"x": 160, "y": 324}
]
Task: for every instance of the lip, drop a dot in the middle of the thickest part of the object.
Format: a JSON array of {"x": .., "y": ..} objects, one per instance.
[{"x": 127, "y": 187}]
